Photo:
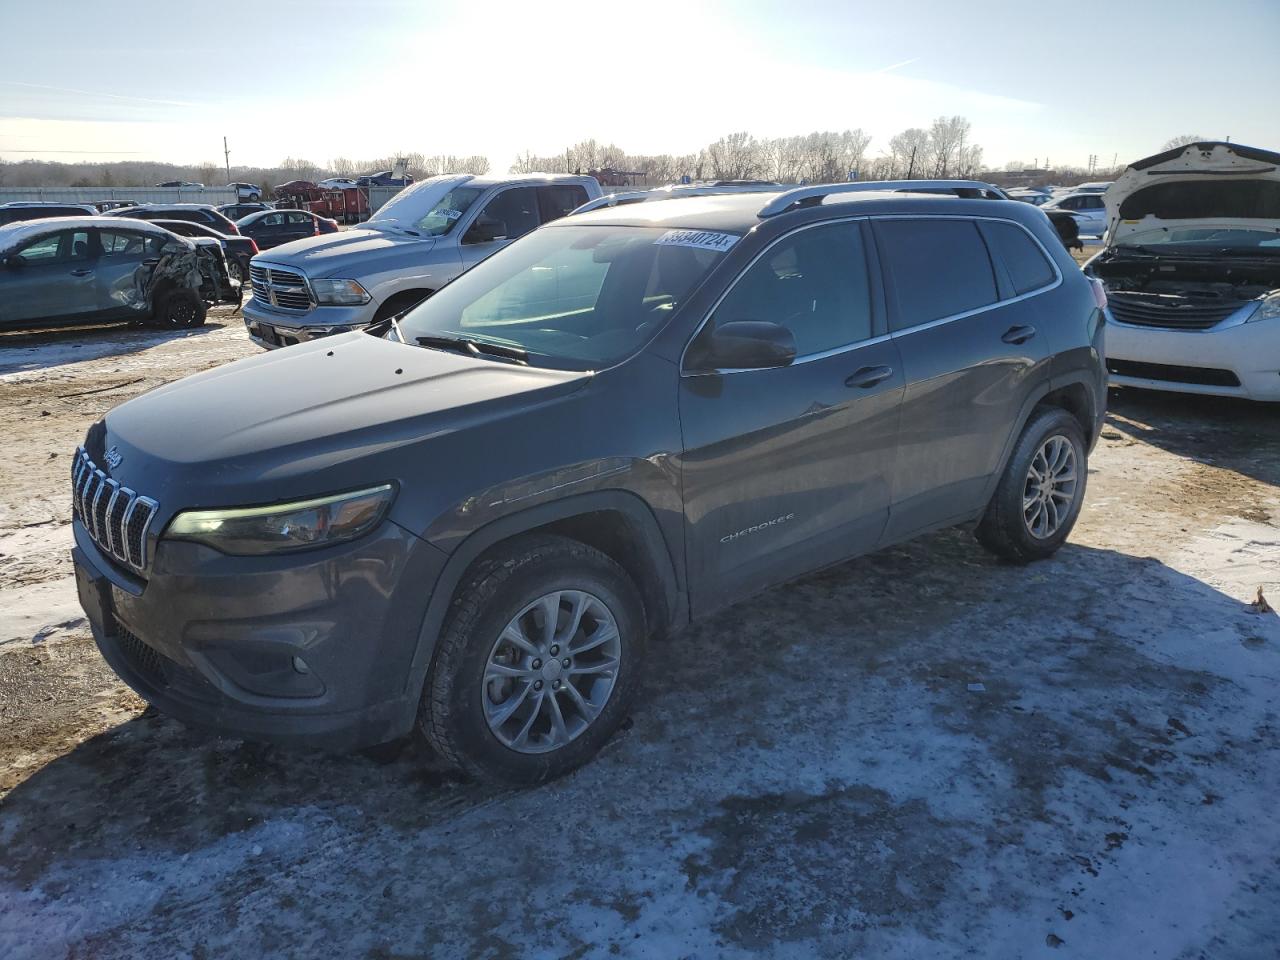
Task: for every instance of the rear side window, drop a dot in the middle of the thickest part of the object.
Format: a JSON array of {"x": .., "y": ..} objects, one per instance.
[
  {"x": 1022, "y": 257},
  {"x": 116, "y": 243},
  {"x": 937, "y": 268},
  {"x": 559, "y": 200}
]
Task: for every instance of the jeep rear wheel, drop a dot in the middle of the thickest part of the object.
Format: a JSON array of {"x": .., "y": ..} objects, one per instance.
[
  {"x": 537, "y": 664},
  {"x": 1041, "y": 491}
]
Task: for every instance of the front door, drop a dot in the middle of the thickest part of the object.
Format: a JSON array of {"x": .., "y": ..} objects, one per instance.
[
  {"x": 507, "y": 216},
  {"x": 788, "y": 469},
  {"x": 971, "y": 354},
  {"x": 49, "y": 278}
]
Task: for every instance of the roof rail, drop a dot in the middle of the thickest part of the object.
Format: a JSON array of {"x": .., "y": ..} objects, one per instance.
[{"x": 816, "y": 193}]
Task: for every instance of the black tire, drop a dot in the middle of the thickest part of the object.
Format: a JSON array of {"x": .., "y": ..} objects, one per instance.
[
  {"x": 1003, "y": 529},
  {"x": 179, "y": 309},
  {"x": 452, "y": 714}
]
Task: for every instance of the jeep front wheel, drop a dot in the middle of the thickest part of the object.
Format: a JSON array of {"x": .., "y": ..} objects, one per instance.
[{"x": 537, "y": 664}]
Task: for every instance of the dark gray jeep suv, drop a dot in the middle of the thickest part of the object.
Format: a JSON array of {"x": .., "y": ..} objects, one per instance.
[{"x": 472, "y": 518}]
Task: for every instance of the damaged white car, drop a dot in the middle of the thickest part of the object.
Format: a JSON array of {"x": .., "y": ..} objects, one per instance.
[{"x": 1191, "y": 265}]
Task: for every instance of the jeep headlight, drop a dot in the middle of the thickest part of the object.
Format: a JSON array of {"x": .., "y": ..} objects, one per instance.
[
  {"x": 283, "y": 527},
  {"x": 339, "y": 293},
  {"x": 1268, "y": 309}
]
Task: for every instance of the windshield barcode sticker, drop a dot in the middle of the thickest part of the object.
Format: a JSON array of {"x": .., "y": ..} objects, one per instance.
[{"x": 702, "y": 239}]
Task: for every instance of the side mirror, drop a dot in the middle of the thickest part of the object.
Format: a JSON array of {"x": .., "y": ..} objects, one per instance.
[
  {"x": 486, "y": 230},
  {"x": 14, "y": 261},
  {"x": 748, "y": 345}
]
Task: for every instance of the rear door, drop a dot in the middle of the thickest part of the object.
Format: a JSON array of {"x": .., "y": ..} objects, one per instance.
[
  {"x": 971, "y": 353},
  {"x": 125, "y": 260},
  {"x": 267, "y": 230},
  {"x": 512, "y": 213},
  {"x": 51, "y": 277},
  {"x": 788, "y": 469},
  {"x": 298, "y": 225}
]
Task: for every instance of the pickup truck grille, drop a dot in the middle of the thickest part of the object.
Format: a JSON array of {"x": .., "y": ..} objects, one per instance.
[
  {"x": 1168, "y": 312},
  {"x": 116, "y": 518},
  {"x": 284, "y": 289}
]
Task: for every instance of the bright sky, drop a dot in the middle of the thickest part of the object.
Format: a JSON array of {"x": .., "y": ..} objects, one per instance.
[{"x": 151, "y": 79}]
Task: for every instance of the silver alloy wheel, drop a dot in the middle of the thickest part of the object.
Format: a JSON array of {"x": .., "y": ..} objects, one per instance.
[
  {"x": 551, "y": 671},
  {"x": 1050, "y": 488}
]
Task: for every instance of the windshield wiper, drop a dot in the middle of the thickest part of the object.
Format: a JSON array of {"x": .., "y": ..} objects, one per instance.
[{"x": 474, "y": 347}]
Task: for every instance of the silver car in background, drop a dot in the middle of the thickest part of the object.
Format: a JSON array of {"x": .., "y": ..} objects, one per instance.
[
  {"x": 418, "y": 241},
  {"x": 103, "y": 269}
]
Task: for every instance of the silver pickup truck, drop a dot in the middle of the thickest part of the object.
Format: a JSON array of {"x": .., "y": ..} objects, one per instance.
[{"x": 414, "y": 244}]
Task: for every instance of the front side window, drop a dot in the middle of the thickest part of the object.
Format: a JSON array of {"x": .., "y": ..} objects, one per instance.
[
  {"x": 575, "y": 298},
  {"x": 299, "y": 218},
  {"x": 814, "y": 283},
  {"x": 509, "y": 215},
  {"x": 62, "y": 247},
  {"x": 937, "y": 268},
  {"x": 271, "y": 220}
]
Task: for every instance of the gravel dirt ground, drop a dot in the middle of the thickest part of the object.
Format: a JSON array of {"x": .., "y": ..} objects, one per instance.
[{"x": 919, "y": 753}]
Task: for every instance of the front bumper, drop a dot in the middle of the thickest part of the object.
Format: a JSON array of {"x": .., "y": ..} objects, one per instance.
[
  {"x": 1248, "y": 353},
  {"x": 273, "y": 328},
  {"x": 311, "y": 648}
]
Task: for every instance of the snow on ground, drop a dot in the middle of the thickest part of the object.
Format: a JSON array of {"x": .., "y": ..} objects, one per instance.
[{"x": 922, "y": 753}]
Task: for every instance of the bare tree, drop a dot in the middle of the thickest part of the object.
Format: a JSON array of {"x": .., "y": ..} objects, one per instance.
[{"x": 1173, "y": 143}]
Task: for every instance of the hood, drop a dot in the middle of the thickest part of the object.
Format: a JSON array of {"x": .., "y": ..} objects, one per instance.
[
  {"x": 413, "y": 203},
  {"x": 330, "y": 253},
  {"x": 1202, "y": 184},
  {"x": 316, "y": 417}
]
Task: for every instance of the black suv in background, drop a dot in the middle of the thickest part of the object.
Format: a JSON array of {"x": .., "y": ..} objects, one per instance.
[{"x": 474, "y": 516}]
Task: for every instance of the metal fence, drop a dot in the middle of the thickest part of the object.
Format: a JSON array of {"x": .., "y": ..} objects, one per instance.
[
  {"x": 211, "y": 195},
  {"x": 380, "y": 195}
]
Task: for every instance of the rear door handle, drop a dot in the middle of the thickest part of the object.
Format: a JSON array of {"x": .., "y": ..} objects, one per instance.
[
  {"x": 867, "y": 377},
  {"x": 82, "y": 273},
  {"x": 1018, "y": 334}
]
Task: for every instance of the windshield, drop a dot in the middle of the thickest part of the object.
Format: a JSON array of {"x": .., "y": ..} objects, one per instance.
[
  {"x": 448, "y": 210},
  {"x": 1206, "y": 239},
  {"x": 576, "y": 298}
]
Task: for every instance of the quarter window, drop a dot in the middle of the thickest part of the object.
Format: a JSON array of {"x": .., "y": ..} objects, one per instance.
[
  {"x": 814, "y": 283},
  {"x": 1022, "y": 257},
  {"x": 937, "y": 268}
]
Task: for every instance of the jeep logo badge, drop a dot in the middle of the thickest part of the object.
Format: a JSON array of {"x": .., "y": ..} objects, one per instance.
[{"x": 113, "y": 457}]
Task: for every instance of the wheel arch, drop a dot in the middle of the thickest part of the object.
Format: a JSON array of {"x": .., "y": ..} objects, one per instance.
[
  {"x": 1071, "y": 393},
  {"x": 617, "y": 523}
]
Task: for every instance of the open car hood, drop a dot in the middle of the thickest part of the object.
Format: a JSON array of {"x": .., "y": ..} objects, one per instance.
[
  {"x": 1202, "y": 184},
  {"x": 413, "y": 203}
]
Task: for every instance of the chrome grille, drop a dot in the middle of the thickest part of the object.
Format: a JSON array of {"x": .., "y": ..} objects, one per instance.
[
  {"x": 285, "y": 289},
  {"x": 116, "y": 518},
  {"x": 1169, "y": 312}
]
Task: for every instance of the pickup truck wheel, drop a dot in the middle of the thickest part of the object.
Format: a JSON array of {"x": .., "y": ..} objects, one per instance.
[
  {"x": 179, "y": 308},
  {"x": 1040, "y": 492},
  {"x": 537, "y": 664}
]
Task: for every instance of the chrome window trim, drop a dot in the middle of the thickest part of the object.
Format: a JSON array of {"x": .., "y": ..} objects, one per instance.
[
  {"x": 905, "y": 331},
  {"x": 808, "y": 357},
  {"x": 929, "y": 324}
]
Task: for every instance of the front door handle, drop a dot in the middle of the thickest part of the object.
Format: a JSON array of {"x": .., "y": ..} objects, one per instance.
[
  {"x": 1018, "y": 334},
  {"x": 82, "y": 273},
  {"x": 867, "y": 377}
]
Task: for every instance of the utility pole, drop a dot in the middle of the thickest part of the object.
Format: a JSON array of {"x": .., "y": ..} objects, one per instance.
[{"x": 226, "y": 155}]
